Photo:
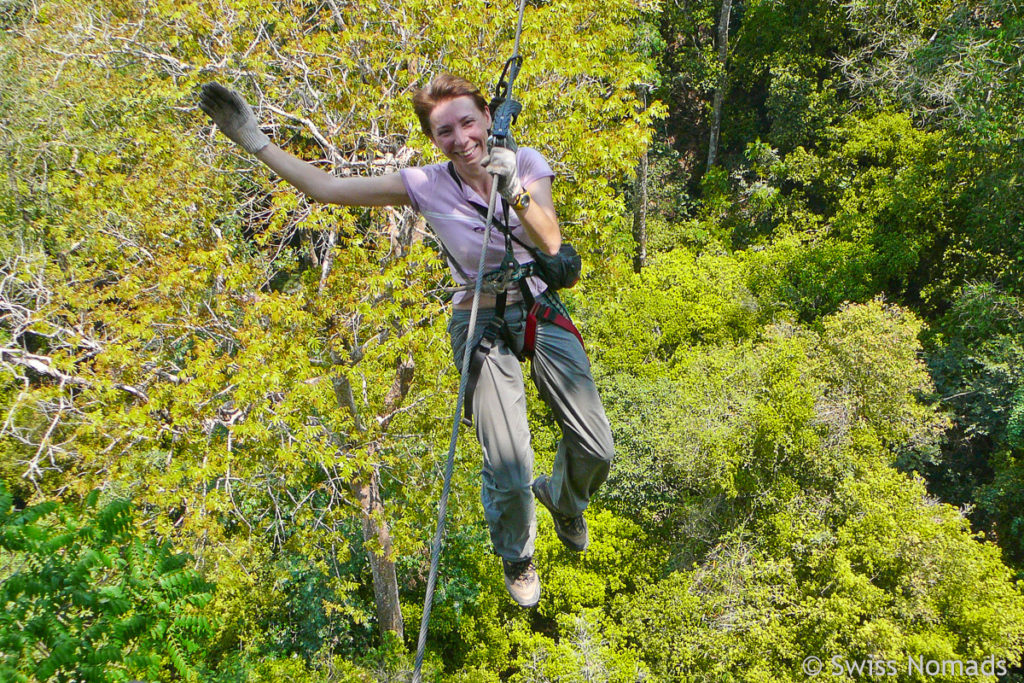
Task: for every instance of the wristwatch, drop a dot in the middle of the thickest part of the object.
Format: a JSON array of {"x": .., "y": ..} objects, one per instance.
[{"x": 521, "y": 201}]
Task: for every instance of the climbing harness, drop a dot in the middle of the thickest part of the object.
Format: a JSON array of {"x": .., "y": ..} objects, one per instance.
[
  {"x": 563, "y": 271},
  {"x": 504, "y": 111}
]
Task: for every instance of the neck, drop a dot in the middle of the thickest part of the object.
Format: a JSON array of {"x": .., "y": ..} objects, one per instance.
[{"x": 475, "y": 176}]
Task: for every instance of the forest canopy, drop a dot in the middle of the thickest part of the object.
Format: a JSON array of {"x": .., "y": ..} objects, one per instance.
[{"x": 225, "y": 407}]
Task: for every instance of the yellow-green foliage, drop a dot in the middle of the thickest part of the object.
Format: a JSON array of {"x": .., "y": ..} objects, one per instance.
[
  {"x": 181, "y": 328},
  {"x": 217, "y": 347}
]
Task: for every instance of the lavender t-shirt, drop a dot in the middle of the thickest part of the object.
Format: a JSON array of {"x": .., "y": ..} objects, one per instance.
[{"x": 448, "y": 208}]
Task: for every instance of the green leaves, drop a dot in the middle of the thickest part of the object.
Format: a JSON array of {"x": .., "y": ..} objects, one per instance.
[
  {"x": 869, "y": 568},
  {"x": 85, "y": 596}
]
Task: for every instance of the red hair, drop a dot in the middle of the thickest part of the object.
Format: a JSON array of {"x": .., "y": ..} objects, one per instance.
[{"x": 443, "y": 87}]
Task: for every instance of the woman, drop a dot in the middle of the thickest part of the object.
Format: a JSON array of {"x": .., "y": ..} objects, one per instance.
[{"x": 455, "y": 116}]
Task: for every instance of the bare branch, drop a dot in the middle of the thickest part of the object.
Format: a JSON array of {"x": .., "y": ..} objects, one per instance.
[{"x": 42, "y": 365}]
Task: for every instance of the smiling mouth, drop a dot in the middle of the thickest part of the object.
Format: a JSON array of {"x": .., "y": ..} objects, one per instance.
[{"x": 465, "y": 154}]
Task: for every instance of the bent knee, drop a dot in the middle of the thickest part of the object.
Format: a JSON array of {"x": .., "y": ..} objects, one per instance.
[
  {"x": 606, "y": 453},
  {"x": 600, "y": 446},
  {"x": 509, "y": 482}
]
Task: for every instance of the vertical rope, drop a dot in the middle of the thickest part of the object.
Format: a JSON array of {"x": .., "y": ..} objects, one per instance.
[
  {"x": 467, "y": 354},
  {"x": 442, "y": 507},
  {"x": 519, "y": 31}
]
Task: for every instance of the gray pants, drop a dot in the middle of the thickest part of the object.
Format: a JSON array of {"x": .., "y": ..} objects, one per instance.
[{"x": 561, "y": 372}]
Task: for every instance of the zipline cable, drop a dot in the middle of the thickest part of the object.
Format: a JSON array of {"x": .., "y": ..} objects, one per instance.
[{"x": 500, "y": 135}]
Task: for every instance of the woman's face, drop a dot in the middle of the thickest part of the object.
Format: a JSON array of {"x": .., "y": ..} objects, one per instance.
[{"x": 460, "y": 130}]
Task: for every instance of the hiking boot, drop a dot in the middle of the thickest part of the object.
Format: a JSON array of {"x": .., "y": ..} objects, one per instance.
[
  {"x": 572, "y": 531},
  {"x": 522, "y": 581}
]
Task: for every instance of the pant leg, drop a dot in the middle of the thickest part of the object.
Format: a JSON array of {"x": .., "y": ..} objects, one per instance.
[
  {"x": 499, "y": 413},
  {"x": 561, "y": 371}
]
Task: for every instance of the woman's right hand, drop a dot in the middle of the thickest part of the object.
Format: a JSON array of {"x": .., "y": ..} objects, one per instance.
[{"x": 233, "y": 116}]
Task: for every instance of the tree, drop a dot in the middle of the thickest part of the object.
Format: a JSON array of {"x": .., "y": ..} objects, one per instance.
[
  {"x": 640, "y": 215},
  {"x": 183, "y": 329},
  {"x": 723, "y": 57}
]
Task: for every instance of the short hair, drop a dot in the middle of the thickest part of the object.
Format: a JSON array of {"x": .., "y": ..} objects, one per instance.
[{"x": 443, "y": 87}]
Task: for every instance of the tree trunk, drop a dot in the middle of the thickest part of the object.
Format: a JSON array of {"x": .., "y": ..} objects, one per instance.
[
  {"x": 723, "y": 54},
  {"x": 640, "y": 216},
  {"x": 375, "y": 528},
  {"x": 382, "y": 564},
  {"x": 367, "y": 490}
]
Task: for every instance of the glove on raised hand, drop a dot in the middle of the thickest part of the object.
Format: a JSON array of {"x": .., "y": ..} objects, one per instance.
[
  {"x": 501, "y": 162},
  {"x": 233, "y": 116}
]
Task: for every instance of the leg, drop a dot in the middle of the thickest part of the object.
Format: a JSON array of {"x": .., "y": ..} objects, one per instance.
[
  {"x": 561, "y": 371},
  {"x": 499, "y": 410}
]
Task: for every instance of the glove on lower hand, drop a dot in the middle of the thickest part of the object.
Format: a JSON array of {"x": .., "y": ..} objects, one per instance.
[
  {"x": 233, "y": 116},
  {"x": 501, "y": 162}
]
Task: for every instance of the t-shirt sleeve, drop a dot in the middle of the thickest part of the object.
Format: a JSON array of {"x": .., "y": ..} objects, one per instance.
[
  {"x": 417, "y": 183},
  {"x": 532, "y": 166}
]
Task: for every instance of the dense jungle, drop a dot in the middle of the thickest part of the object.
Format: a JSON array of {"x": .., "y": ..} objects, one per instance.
[{"x": 225, "y": 408}]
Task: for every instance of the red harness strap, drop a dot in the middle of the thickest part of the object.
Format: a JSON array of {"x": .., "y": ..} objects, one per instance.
[
  {"x": 541, "y": 312},
  {"x": 538, "y": 312}
]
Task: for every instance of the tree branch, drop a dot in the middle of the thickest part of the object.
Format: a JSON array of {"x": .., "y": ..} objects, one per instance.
[{"x": 42, "y": 365}]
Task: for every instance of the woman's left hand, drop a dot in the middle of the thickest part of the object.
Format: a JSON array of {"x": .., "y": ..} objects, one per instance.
[
  {"x": 501, "y": 162},
  {"x": 233, "y": 116}
]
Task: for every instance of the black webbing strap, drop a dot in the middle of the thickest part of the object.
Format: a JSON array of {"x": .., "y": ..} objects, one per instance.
[
  {"x": 535, "y": 310},
  {"x": 493, "y": 329},
  {"x": 482, "y": 349}
]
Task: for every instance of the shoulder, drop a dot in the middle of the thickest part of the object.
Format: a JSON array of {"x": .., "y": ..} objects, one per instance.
[
  {"x": 532, "y": 165},
  {"x": 425, "y": 174},
  {"x": 529, "y": 154},
  {"x": 421, "y": 181}
]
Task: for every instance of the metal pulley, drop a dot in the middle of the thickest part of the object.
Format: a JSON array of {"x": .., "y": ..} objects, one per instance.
[{"x": 504, "y": 109}]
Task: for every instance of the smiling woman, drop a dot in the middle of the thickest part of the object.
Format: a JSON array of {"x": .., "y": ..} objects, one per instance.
[{"x": 450, "y": 196}]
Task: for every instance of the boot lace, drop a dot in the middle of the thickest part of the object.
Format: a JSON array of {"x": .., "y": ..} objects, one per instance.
[{"x": 520, "y": 571}]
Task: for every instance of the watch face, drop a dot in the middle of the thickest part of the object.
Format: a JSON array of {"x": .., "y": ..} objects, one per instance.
[{"x": 523, "y": 200}]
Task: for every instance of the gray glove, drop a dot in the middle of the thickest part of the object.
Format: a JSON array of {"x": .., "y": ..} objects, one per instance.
[
  {"x": 233, "y": 116},
  {"x": 501, "y": 162}
]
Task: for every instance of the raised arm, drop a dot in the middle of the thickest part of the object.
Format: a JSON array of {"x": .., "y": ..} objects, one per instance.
[
  {"x": 236, "y": 120},
  {"x": 383, "y": 190}
]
